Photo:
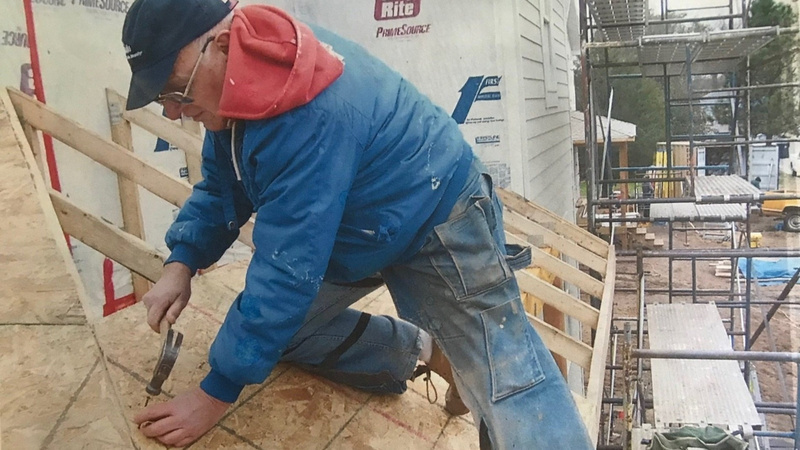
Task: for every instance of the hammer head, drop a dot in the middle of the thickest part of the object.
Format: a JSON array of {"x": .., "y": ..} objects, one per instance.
[{"x": 169, "y": 354}]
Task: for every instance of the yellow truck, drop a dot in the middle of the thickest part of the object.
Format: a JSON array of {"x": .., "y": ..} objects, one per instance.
[{"x": 788, "y": 209}]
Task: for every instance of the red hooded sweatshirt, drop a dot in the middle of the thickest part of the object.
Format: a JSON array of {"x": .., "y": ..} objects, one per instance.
[{"x": 275, "y": 64}]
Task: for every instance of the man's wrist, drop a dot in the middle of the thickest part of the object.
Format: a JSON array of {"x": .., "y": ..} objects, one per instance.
[{"x": 178, "y": 268}]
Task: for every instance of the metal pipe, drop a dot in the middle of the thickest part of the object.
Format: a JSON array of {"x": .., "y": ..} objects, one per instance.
[
  {"x": 797, "y": 409},
  {"x": 666, "y": 21},
  {"x": 780, "y": 411},
  {"x": 749, "y": 88},
  {"x": 778, "y": 434},
  {"x": 747, "y": 299},
  {"x": 694, "y": 280},
  {"x": 713, "y": 36},
  {"x": 701, "y": 199},
  {"x": 671, "y": 247},
  {"x": 781, "y": 405},
  {"x": 747, "y": 142},
  {"x": 711, "y": 136},
  {"x": 639, "y": 180},
  {"x": 624, "y": 76},
  {"x": 779, "y": 301},
  {"x": 725, "y": 253},
  {"x": 660, "y": 63},
  {"x": 661, "y": 169},
  {"x": 717, "y": 355},
  {"x": 689, "y": 60},
  {"x": 681, "y": 293},
  {"x": 588, "y": 119},
  {"x": 718, "y": 219},
  {"x": 698, "y": 102}
]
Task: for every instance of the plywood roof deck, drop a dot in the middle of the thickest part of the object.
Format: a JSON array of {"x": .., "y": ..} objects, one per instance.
[{"x": 68, "y": 382}]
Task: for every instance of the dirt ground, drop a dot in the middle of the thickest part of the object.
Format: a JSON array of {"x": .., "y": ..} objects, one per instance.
[{"x": 783, "y": 328}]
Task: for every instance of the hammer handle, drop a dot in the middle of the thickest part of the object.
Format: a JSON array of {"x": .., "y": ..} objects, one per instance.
[{"x": 164, "y": 326}]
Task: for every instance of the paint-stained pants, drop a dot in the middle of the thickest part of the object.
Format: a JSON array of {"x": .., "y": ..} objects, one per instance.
[{"x": 460, "y": 288}]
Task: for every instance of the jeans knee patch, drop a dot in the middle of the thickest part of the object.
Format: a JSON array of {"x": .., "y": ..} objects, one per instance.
[{"x": 513, "y": 363}]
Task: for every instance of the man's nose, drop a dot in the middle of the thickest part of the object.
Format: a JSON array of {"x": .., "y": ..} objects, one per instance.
[{"x": 172, "y": 110}]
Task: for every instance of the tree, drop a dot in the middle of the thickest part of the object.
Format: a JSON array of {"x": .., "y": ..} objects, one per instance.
[{"x": 775, "y": 111}]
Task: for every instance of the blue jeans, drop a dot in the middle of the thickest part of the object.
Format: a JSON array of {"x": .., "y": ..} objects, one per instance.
[{"x": 459, "y": 288}]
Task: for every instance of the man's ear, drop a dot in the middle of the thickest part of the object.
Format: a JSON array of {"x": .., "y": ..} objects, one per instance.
[{"x": 223, "y": 40}]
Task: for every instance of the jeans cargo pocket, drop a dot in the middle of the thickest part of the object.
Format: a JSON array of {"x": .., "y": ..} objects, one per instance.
[
  {"x": 469, "y": 259},
  {"x": 513, "y": 362}
]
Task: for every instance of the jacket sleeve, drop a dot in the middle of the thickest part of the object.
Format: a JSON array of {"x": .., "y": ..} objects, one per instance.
[
  {"x": 200, "y": 234},
  {"x": 304, "y": 166}
]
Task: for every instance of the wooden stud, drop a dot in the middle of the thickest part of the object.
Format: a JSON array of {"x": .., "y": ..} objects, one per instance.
[
  {"x": 553, "y": 222},
  {"x": 623, "y": 162},
  {"x": 557, "y": 298},
  {"x": 551, "y": 239},
  {"x": 32, "y": 136},
  {"x": 557, "y": 320},
  {"x": 559, "y": 342},
  {"x": 567, "y": 272},
  {"x": 132, "y": 221},
  {"x": 107, "y": 239}
]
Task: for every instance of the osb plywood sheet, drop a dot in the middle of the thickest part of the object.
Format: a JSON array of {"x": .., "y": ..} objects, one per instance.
[
  {"x": 35, "y": 286},
  {"x": 54, "y": 386},
  {"x": 458, "y": 434},
  {"x": 54, "y": 390},
  {"x": 67, "y": 384},
  {"x": 298, "y": 410},
  {"x": 93, "y": 421}
]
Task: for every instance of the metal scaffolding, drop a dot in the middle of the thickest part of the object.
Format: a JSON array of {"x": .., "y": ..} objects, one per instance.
[{"x": 618, "y": 35}]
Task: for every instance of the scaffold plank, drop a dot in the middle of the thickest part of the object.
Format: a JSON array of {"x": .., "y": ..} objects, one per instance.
[{"x": 696, "y": 392}]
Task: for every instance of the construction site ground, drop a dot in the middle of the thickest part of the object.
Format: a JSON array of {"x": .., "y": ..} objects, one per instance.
[{"x": 784, "y": 327}]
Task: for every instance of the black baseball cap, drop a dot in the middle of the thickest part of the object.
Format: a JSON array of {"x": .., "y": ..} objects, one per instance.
[{"x": 153, "y": 34}]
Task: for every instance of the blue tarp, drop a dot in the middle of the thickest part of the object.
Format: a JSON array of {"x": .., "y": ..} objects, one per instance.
[{"x": 770, "y": 271}]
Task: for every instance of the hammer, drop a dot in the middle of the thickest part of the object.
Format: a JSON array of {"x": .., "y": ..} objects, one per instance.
[{"x": 166, "y": 360}]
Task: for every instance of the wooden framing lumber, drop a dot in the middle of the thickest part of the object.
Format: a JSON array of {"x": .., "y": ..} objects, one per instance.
[
  {"x": 557, "y": 298},
  {"x": 36, "y": 148},
  {"x": 552, "y": 239},
  {"x": 107, "y": 239},
  {"x": 597, "y": 370},
  {"x": 161, "y": 127},
  {"x": 553, "y": 222},
  {"x": 559, "y": 342},
  {"x": 567, "y": 272},
  {"x": 109, "y": 154},
  {"x": 132, "y": 221}
]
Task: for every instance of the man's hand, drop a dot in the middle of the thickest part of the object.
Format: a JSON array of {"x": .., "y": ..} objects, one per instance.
[
  {"x": 182, "y": 420},
  {"x": 169, "y": 296}
]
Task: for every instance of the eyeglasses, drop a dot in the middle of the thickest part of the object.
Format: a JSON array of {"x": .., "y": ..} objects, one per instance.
[{"x": 183, "y": 98}]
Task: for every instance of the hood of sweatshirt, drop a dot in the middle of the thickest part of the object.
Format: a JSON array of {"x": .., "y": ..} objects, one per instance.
[{"x": 275, "y": 64}]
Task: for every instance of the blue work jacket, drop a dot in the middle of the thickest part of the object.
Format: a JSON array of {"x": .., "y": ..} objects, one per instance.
[{"x": 342, "y": 186}]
